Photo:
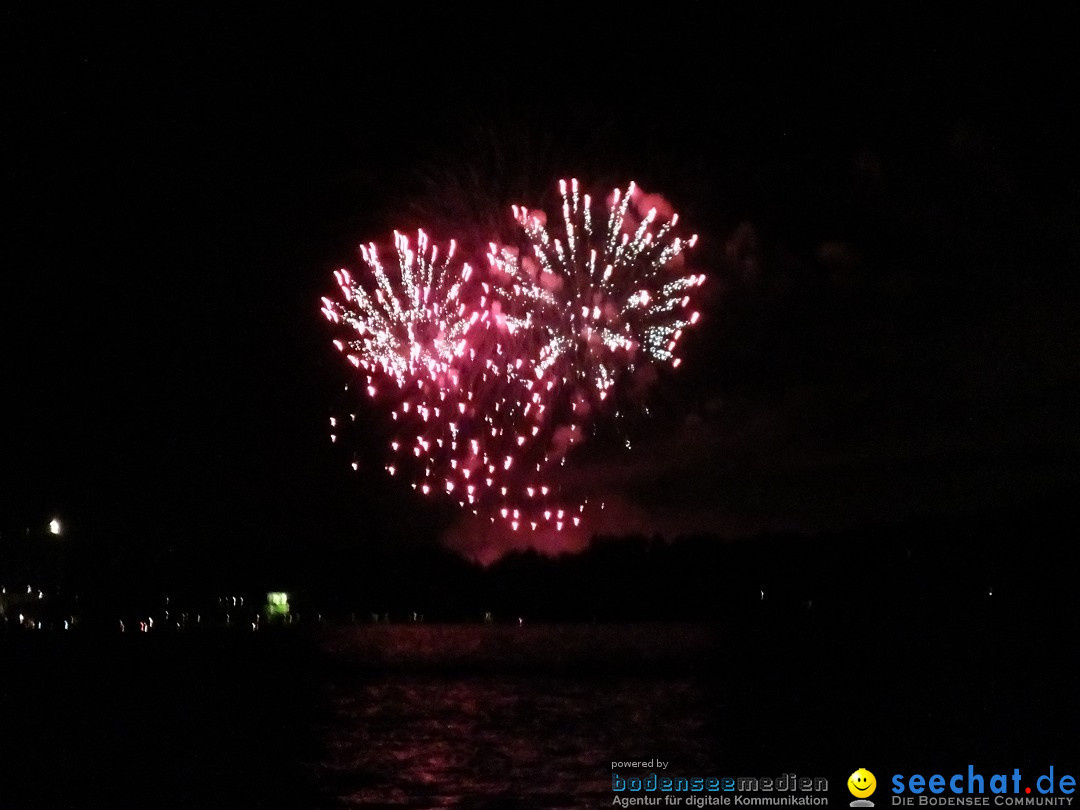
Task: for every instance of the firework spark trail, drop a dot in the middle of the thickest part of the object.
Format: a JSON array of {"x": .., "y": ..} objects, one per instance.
[
  {"x": 601, "y": 303},
  {"x": 426, "y": 346},
  {"x": 491, "y": 382},
  {"x": 416, "y": 326},
  {"x": 591, "y": 308},
  {"x": 409, "y": 333}
]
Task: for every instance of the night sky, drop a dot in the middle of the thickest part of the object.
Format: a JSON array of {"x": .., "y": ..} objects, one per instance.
[{"x": 888, "y": 213}]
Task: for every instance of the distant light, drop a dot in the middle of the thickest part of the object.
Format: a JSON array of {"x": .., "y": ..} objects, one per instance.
[
  {"x": 277, "y": 604},
  {"x": 54, "y": 526}
]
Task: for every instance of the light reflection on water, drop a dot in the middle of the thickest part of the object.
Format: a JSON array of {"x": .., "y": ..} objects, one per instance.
[{"x": 492, "y": 739}]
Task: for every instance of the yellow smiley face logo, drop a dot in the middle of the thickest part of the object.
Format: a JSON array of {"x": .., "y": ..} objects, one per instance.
[{"x": 861, "y": 783}]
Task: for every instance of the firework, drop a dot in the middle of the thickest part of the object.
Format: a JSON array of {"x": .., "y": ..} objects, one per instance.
[
  {"x": 412, "y": 322},
  {"x": 490, "y": 382},
  {"x": 407, "y": 332},
  {"x": 584, "y": 312},
  {"x": 604, "y": 298}
]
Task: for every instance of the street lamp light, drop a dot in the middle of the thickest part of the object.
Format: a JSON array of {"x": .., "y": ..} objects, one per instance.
[{"x": 54, "y": 526}]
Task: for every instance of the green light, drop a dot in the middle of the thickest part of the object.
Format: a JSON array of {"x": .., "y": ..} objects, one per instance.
[{"x": 277, "y": 603}]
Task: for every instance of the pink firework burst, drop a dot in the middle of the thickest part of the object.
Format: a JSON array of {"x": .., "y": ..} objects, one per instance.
[
  {"x": 490, "y": 383},
  {"x": 600, "y": 298}
]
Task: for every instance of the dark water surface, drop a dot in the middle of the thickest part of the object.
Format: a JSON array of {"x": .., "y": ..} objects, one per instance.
[
  {"x": 533, "y": 717},
  {"x": 507, "y": 716}
]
